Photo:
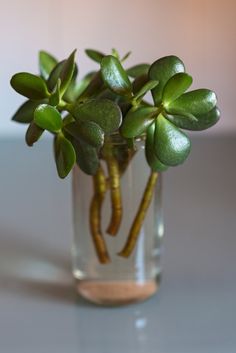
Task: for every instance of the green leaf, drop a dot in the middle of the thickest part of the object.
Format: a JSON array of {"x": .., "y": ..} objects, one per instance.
[
  {"x": 175, "y": 87},
  {"x": 185, "y": 115},
  {"x": 71, "y": 91},
  {"x": 139, "y": 82},
  {"x": 103, "y": 112},
  {"x": 30, "y": 86},
  {"x": 94, "y": 86},
  {"x": 147, "y": 87},
  {"x": 47, "y": 62},
  {"x": 201, "y": 122},
  {"x": 56, "y": 96},
  {"x": 87, "y": 131},
  {"x": 115, "y": 53},
  {"x": 65, "y": 156},
  {"x": 137, "y": 121},
  {"x": 125, "y": 57},
  {"x": 55, "y": 75},
  {"x": 162, "y": 70},
  {"x": 94, "y": 55},
  {"x": 138, "y": 70},
  {"x": 86, "y": 157},
  {"x": 67, "y": 72},
  {"x": 33, "y": 134},
  {"x": 155, "y": 164},
  {"x": 197, "y": 102},
  {"x": 115, "y": 76},
  {"x": 83, "y": 84},
  {"x": 48, "y": 118},
  {"x": 25, "y": 114},
  {"x": 171, "y": 145}
]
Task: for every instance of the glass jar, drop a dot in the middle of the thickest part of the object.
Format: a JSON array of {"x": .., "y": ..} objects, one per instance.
[{"x": 118, "y": 279}]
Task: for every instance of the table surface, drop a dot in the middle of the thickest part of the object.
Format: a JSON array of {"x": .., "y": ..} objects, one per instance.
[{"x": 195, "y": 309}]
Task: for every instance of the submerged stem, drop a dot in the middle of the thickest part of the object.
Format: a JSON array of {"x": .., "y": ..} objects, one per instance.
[
  {"x": 114, "y": 182},
  {"x": 138, "y": 221},
  {"x": 99, "y": 183}
]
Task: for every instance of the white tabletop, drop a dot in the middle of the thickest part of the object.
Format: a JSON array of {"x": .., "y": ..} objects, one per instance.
[{"x": 195, "y": 310}]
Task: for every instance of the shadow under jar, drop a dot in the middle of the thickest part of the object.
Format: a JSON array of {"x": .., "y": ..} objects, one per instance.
[{"x": 123, "y": 199}]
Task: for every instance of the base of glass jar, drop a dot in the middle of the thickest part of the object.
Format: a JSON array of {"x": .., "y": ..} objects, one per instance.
[{"x": 115, "y": 293}]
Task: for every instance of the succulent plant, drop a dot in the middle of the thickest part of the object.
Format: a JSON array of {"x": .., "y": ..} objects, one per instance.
[{"x": 85, "y": 116}]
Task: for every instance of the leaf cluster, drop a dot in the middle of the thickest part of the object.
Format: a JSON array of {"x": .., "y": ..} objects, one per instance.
[{"x": 84, "y": 114}]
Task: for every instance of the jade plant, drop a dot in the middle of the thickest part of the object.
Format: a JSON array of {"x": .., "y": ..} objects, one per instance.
[{"x": 86, "y": 117}]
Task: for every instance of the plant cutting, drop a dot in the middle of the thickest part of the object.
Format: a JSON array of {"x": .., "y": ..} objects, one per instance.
[{"x": 100, "y": 124}]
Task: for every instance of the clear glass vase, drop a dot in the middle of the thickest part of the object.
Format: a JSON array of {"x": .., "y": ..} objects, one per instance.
[{"x": 122, "y": 280}]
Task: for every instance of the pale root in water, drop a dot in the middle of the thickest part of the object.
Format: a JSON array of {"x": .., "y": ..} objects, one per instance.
[{"x": 116, "y": 292}]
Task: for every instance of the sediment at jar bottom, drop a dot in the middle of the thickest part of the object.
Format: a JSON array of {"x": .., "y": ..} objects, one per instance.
[{"x": 115, "y": 293}]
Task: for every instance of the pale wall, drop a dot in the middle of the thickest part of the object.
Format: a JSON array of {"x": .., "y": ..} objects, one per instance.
[{"x": 201, "y": 32}]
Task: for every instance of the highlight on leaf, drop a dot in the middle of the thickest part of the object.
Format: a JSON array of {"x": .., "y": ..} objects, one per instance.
[
  {"x": 115, "y": 76},
  {"x": 48, "y": 118},
  {"x": 171, "y": 145}
]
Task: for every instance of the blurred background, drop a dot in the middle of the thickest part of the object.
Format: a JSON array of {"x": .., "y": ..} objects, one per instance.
[{"x": 201, "y": 32}]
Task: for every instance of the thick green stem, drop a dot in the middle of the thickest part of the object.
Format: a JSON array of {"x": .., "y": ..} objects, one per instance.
[
  {"x": 140, "y": 216},
  {"x": 99, "y": 182},
  {"x": 114, "y": 182}
]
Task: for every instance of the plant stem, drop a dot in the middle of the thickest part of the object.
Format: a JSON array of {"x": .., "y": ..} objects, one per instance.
[
  {"x": 139, "y": 218},
  {"x": 99, "y": 183},
  {"x": 114, "y": 178}
]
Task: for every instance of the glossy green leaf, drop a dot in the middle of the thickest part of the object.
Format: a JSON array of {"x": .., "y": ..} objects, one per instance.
[
  {"x": 48, "y": 118},
  {"x": 162, "y": 70},
  {"x": 175, "y": 87},
  {"x": 197, "y": 102},
  {"x": 147, "y": 87},
  {"x": 139, "y": 82},
  {"x": 71, "y": 92},
  {"x": 25, "y": 114},
  {"x": 65, "y": 156},
  {"x": 138, "y": 70},
  {"x": 94, "y": 86},
  {"x": 83, "y": 84},
  {"x": 171, "y": 145},
  {"x": 186, "y": 115},
  {"x": 55, "y": 75},
  {"x": 137, "y": 121},
  {"x": 30, "y": 86},
  {"x": 103, "y": 112},
  {"x": 87, "y": 131},
  {"x": 114, "y": 76},
  {"x": 95, "y": 55},
  {"x": 47, "y": 62},
  {"x": 33, "y": 134},
  {"x": 155, "y": 164},
  {"x": 56, "y": 95},
  {"x": 67, "y": 72},
  {"x": 201, "y": 122},
  {"x": 86, "y": 157}
]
